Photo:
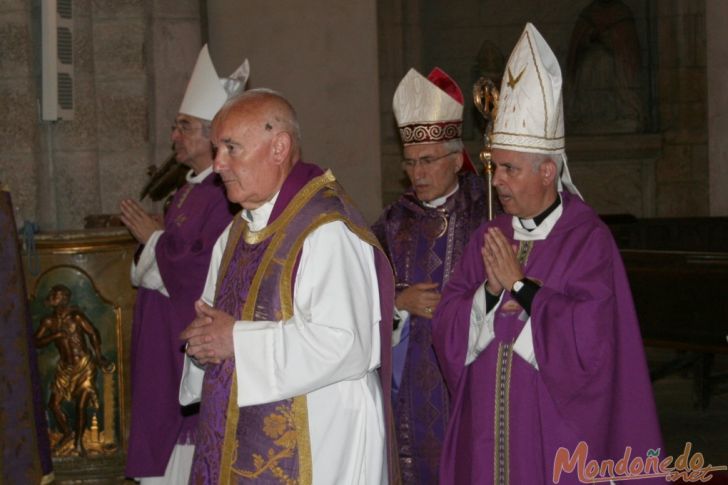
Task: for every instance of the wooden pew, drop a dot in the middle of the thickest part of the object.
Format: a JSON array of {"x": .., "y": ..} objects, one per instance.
[{"x": 678, "y": 272}]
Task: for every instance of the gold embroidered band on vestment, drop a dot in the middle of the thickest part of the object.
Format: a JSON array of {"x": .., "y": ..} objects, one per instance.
[
  {"x": 277, "y": 232},
  {"x": 501, "y": 445}
]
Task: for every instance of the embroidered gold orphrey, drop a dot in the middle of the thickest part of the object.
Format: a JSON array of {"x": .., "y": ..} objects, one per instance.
[
  {"x": 287, "y": 428},
  {"x": 501, "y": 457}
]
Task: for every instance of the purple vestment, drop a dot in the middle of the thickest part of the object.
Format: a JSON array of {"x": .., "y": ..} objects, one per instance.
[
  {"x": 424, "y": 244},
  {"x": 194, "y": 220},
  {"x": 269, "y": 443},
  {"x": 509, "y": 418}
]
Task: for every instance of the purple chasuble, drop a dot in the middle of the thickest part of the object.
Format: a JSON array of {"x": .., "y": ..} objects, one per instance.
[
  {"x": 269, "y": 443},
  {"x": 194, "y": 220},
  {"x": 508, "y": 417},
  {"x": 424, "y": 244}
]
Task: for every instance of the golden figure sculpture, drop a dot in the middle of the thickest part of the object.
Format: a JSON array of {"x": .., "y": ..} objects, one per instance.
[{"x": 79, "y": 348}]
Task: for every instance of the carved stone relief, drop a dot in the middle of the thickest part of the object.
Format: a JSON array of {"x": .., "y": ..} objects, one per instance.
[{"x": 603, "y": 91}]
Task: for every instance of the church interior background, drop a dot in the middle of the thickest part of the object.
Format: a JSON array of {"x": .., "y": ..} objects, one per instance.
[{"x": 645, "y": 105}]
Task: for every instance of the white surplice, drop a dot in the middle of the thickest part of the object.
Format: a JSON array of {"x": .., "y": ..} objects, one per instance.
[{"x": 329, "y": 350}]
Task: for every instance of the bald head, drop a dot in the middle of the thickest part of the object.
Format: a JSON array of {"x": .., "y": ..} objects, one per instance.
[
  {"x": 257, "y": 141},
  {"x": 269, "y": 109}
]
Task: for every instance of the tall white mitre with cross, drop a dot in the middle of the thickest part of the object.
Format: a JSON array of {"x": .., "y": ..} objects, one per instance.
[{"x": 530, "y": 114}]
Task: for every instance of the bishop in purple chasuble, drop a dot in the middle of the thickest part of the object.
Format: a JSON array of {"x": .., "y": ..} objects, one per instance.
[
  {"x": 194, "y": 220},
  {"x": 423, "y": 244},
  {"x": 573, "y": 372}
]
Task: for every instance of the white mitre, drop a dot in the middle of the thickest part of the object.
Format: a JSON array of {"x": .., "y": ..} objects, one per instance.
[
  {"x": 530, "y": 114},
  {"x": 206, "y": 92}
]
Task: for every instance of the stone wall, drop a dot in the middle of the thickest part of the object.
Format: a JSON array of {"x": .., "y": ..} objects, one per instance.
[
  {"x": 132, "y": 59},
  {"x": 19, "y": 130}
]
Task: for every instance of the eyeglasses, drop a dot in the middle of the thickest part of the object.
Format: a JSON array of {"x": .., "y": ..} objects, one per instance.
[
  {"x": 184, "y": 127},
  {"x": 409, "y": 163}
]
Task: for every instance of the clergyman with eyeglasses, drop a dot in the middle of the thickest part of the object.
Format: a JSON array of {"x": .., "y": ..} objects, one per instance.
[
  {"x": 423, "y": 233},
  {"x": 170, "y": 271}
]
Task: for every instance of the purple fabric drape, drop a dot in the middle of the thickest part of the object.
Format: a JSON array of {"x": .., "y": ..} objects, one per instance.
[{"x": 24, "y": 442}]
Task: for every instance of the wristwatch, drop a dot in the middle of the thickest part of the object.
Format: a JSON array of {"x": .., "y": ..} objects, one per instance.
[{"x": 517, "y": 286}]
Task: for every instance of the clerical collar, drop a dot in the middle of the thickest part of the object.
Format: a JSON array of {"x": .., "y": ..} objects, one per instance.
[
  {"x": 531, "y": 224},
  {"x": 196, "y": 179},
  {"x": 435, "y": 203},
  {"x": 257, "y": 218},
  {"x": 543, "y": 228}
]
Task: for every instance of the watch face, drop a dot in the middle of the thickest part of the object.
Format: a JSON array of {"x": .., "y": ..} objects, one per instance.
[{"x": 517, "y": 286}]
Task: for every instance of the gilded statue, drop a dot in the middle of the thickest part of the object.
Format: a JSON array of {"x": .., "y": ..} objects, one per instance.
[{"x": 79, "y": 347}]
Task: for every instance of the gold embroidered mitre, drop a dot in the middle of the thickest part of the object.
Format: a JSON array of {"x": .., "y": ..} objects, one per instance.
[{"x": 426, "y": 113}]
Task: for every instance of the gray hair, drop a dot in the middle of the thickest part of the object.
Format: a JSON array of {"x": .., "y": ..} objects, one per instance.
[
  {"x": 206, "y": 127},
  {"x": 537, "y": 159},
  {"x": 455, "y": 145}
]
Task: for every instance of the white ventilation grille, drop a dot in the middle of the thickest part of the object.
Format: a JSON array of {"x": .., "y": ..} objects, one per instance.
[{"x": 57, "y": 26}]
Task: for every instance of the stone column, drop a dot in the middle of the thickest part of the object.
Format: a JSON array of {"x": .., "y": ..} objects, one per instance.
[{"x": 717, "y": 66}]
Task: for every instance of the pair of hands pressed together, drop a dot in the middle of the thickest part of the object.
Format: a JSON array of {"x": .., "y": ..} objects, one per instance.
[
  {"x": 501, "y": 267},
  {"x": 140, "y": 223},
  {"x": 210, "y": 335},
  {"x": 501, "y": 263}
]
